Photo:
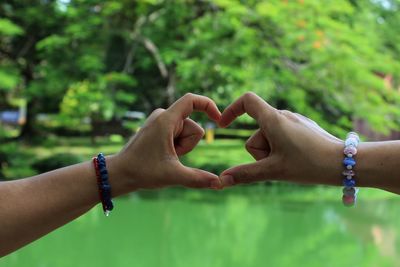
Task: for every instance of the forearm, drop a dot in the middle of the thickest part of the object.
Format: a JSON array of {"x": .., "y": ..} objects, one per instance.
[
  {"x": 33, "y": 207},
  {"x": 378, "y": 165}
]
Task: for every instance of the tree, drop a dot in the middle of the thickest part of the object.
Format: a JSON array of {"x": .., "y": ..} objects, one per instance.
[
  {"x": 23, "y": 27},
  {"x": 323, "y": 59}
]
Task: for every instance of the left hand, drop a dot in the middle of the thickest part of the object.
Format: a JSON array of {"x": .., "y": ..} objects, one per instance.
[{"x": 151, "y": 158}]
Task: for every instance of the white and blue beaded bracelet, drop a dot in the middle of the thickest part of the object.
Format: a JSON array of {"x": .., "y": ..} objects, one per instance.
[{"x": 350, "y": 150}]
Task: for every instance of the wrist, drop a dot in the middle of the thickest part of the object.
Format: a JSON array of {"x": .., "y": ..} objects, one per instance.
[
  {"x": 122, "y": 181},
  {"x": 331, "y": 166},
  {"x": 366, "y": 169},
  {"x": 377, "y": 164}
]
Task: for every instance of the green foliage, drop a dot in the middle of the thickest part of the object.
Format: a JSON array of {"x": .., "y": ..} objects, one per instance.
[
  {"x": 15, "y": 161},
  {"x": 3, "y": 161},
  {"x": 327, "y": 60},
  {"x": 55, "y": 162},
  {"x": 52, "y": 43},
  {"x": 86, "y": 99},
  {"x": 224, "y": 154},
  {"x": 9, "y": 28},
  {"x": 98, "y": 100},
  {"x": 9, "y": 78}
]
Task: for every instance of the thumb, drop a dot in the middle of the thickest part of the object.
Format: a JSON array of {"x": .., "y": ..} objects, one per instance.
[
  {"x": 196, "y": 178},
  {"x": 246, "y": 173}
]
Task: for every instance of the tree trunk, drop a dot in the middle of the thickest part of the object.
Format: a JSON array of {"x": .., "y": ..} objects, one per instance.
[
  {"x": 94, "y": 125},
  {"x": 28, "y": 129},
  {"x": 171, "y": 88}
]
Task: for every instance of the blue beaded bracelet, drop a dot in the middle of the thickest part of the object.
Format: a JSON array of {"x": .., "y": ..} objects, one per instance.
[
  {"x": 350, "y": 150},
  {"x": 103, "y": 184}
]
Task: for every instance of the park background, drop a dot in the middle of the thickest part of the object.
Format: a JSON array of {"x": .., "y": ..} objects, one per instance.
[{"x": 79, "y": 76}]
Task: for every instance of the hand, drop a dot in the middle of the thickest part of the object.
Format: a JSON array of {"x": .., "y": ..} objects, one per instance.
[
  {"x": 288, "y": 146},
  {"x": 150, "y": 159}
]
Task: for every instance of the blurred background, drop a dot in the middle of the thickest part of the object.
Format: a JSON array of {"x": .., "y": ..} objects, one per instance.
[{"x": 80, "y": 76}]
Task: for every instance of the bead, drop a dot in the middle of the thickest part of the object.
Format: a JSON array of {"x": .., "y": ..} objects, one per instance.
[
  {"x": 349, "y": 200},
  {"x": 349, "y": 191},
  {"x": 109, "y": 205},
  {"x": 103, "y": 183},
  {"x": 354, "y": 135},
  {"x": 349, "y": 183},
  {"x": 350, "y": 150},
  {"x": 106, "y": 187},
  {"x": 351, "y": 142},
  {"x": 349, "y": 161},
  {"x": 348, "y": 173}
]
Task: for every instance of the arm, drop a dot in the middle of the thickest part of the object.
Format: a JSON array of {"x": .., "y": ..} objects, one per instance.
[
  {"x": 378, "y": 165},
  {"x": 33, "y": 207},
  {"x": 291, "y": 147}
]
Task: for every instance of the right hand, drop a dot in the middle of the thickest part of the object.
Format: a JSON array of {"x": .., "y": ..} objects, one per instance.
[{"x": 288, "y": 146}]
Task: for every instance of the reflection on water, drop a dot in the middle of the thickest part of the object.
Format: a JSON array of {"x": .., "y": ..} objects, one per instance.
[
  {"x": 375, "y": 224},
  {"x": 216, "y": 229}
]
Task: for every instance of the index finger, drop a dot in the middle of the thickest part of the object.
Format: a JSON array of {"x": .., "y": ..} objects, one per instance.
[
  {"x": 192, "y": 102},
  {"x": 249, "y": 103}
]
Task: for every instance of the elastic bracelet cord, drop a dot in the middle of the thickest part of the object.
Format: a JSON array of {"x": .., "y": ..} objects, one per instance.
[
  {"x": 350, "y": 150},
  {"x": 99, "y": 163}
]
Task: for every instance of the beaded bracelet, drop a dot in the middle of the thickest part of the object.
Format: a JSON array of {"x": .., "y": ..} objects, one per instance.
[
  {"x": 100, "y": 167},
  {"x": 350, "y": 150}
]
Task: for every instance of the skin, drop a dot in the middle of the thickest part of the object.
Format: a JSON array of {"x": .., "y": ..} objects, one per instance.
[
  {"x": 35, "y": 206},
  {"x": 288, "y": 146},
  {"x": 291, "y": 147}
]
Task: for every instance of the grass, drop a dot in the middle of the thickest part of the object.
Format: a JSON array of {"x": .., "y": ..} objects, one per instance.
[
  {"x": 281, "y": 224},
  {"x": 214, "y": 157}
]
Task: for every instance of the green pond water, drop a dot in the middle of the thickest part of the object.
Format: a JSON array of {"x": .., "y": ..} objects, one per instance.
[{"x": 226, "y": 229}]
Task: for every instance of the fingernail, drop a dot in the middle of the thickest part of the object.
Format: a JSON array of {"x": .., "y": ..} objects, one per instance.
[
  {"x": 215, "y": 184},
  {"x": 227, "y": 180}
]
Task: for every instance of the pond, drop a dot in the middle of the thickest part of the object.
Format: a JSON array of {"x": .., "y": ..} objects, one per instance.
[{"x": 236, "y": 227}]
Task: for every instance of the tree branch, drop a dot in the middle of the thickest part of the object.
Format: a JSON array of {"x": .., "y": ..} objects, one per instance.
[
  {"x": 135, "y": 35},
  {"x": 27, "y": 46},
  {"x": 152, "y": 48},
  {"x": 171, "y": 87},
  {"x": 7, "y": 53}
]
